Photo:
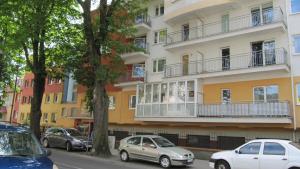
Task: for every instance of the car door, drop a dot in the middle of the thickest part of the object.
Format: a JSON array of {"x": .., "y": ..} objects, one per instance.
[
  {"x": 149, "y": 150},
  {"x": 274, "y": 156},
  {"x": 134, "y": 147},
  {"x": 247, "y": 157},
  {"x": 60, "y": 138},
  {"x": 51, "y": 136}
]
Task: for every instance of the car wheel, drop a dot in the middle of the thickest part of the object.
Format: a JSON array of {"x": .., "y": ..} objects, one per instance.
[
  {"x": 165, "y": 162},
  {"x": 222, "y": 165},
  {"x": 69, "y": 146},
  {"x": 124, "y": 156},
  {"x": 46, "y": 143}
]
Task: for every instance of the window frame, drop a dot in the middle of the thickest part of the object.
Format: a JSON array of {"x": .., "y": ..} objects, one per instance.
[
  {"x": 130, "y": 102},
  {"x": 291, "y": 9},
  {"x": 158, "y": 12},
  {"x": 157, "y": 36},
  {"x": 222, "y": 96},
  {"x": 263, "y": 150},
  {"x": 113, "y": 106},
  {"x": 260, "y": 147},
  {"x": 135, "y": 137},
  {"x": 156, "y": 66},
  {"x": 294, "y": 48},
  {"x": 265, "y": 93}
]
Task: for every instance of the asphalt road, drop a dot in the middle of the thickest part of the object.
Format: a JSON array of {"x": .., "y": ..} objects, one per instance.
[{"x": 76, "y": 160}]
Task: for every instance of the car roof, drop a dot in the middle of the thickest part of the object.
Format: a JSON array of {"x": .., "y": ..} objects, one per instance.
[
  {"x": 12, "y": 127},
  {"x": 150, "y": 136},
  {"x": 271, "y": 140}
]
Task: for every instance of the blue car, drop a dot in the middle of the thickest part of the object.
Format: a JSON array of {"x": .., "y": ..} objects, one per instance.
[{"x": 19, "y": 149}]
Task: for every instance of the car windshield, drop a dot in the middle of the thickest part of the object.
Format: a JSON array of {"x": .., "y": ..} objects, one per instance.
[
  {"x": 74, "y": 132},
  {"x": 19, "y": 143},
  {"x": 162, "y": 142}
]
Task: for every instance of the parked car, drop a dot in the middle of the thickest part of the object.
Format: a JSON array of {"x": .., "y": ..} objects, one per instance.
[
  {"x": 154, "y": 149},
  {"x": 259, "y": 154},
  {"x": 19, "y": 148},
  {"x": 70, "y": 139}
]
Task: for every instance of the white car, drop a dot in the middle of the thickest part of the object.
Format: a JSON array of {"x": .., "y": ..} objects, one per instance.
[{"x": 259, "y": 154}]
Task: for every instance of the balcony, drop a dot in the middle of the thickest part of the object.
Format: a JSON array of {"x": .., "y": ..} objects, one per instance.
[
  {"x": 181, "y": 9},
  {"x": 257, "y": 61},
  {"x": 142, "y": 24},
  {"x": 277, "y": 112},
  {"x": 132, "y": 77},
  {"x": 267, "y": 20},
  {"x": 136, "y": 56},
  {"x": 79, "y": 115}
]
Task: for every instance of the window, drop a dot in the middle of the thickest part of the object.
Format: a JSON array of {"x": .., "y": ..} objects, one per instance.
[
  {"x": 63, "y": 112},
  {"x": 251, "y": 148},
  {"x": 112, "y": 102},
  {"x": 134, "y": 141},
  {"x": 297, "y": 44},
  {"x": 47, "y": 99},
  {"x": 266, "y": 93},
  {"x": 74, "y": 112},
  {"x": 226, "y": 96},
  {"x": 295, "y": 6},
  {"x": 138, "y": 70},
  {"x": 141, "y": 94},
  {"x": 22, "y": 117},
  {"x": 45, "y": 118},
  {"x": 53, "y": 117},
  {"x": 156, "y": 90},
  {"x": 24, "y": 99},
  {"x": 49, "y": 81},
  {"x": 273, "y": 149},
  {"x": 32, "y": 83},
  {"x": 198, "y": 141},
  {"x": 148, "y": 93},
  {"x": 147, "y": 142},
  {"x": 26, "y": 83},
  {"x": 55, "y": 99},
  {"x": 29, "y": 99},
  {"x": 159, "y": 65},
  {"x": 160, "y": 36},
  {"x": 225, "y": 23},
  {"x": 159, "y": 10},
  {"x": 132, "y": 102}
]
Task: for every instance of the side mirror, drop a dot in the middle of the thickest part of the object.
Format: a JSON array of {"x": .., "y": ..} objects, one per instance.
[
  {"x": 237, "y": 152},
  {"x": 47, "y": 152},
  {"x": 152, "y": 146}
]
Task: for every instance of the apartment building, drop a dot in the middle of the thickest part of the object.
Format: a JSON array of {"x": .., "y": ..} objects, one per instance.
[{"x": 213, "y": 73}]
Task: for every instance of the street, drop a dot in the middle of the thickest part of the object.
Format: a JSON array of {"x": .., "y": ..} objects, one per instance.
[{"x": 76, "y": 160}]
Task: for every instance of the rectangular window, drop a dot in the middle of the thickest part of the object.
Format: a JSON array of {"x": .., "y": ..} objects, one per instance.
[
  {"x": 32, "y": 83},
  {"x": 266, "y": 93},
  {"x": 226, "y": 96},
  {"x": 148, "y": 93},
  {"x": 55, "y": 99},
  {"x": 156, "y": 93},
  {"x": 225, "y": 23},
  {"x": 29, "y": 99},
  {"x": 191, "y": 91},
  {"x": 112, "y": 102},
  {"x": 295, "y": 6},
  {"x": 26, "y": 83},
  {"x": 141, "y": 94},
  {"x": 138, "y": 70},
  {"x": 181, "y": 92},
  {"x": 47, "y": 99},
  {"x": 24, "y": 99},
  {"x": 132, "y": 102},
  {"x": 159, "y": 10},
  {"x": 163, "y": 95},
  {"x": 160, "y": 36},
  {"x": 45, "y": 118},
  {"x": 159, "y": 65},
  {"x": 74, "y": 112},
  {"x": 297, "y": 44},
  {"x": 63, "y": 112},
  {"x": 49, "y": 81},
  {"x": 53, "y": 117}
]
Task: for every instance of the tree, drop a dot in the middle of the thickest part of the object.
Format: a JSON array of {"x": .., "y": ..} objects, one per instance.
[
  {"x": 105, "y": 30},
  {"x": 42, "y": 33}
]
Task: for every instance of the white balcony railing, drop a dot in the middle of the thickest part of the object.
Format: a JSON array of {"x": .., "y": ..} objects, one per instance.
[
  {"x": 255, "y": 19},
  {"x": 233, "y": 62},
  {"x": 275, "y": 109}
]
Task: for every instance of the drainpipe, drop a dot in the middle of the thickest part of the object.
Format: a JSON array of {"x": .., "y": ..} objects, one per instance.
[{"x": 291, "y": 74}]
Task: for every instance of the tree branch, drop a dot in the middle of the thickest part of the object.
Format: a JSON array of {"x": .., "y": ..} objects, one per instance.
[{"x": 27, "y": 56}]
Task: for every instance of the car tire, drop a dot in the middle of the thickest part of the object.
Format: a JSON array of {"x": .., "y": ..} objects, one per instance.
[
  {"x": 222, "y": 165},
  {"x": 165, "y": 162},
  {"x": 46, "y": 143},
  {"x": 124, "y": 156},
  {"x": 68, "y": 146}
]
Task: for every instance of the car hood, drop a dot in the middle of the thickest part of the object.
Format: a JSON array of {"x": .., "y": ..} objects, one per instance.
[
  {"x": 25, "y": 163},
  {"x": 177, "y": 150}
]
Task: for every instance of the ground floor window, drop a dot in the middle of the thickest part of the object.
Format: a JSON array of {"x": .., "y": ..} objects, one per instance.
[
  {"x": 174, "y": 138},
  {"x": 198, "y": 141},
  {"x": 229, "y": 143},
  {"x": 53, "y": 117}
]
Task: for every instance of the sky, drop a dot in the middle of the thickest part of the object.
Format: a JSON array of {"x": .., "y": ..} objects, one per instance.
[{"x": 96, "y": 3}]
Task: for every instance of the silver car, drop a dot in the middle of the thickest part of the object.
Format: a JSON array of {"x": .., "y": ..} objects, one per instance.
[{"x": 155, "y": 149}]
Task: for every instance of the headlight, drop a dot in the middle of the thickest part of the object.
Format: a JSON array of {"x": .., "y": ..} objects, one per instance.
[{"x": 54, "y": 167}]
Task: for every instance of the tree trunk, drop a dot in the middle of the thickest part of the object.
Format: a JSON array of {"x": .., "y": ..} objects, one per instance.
[
  {"x": 101, "y": 103},
  {"x": 35, "y": 112}
]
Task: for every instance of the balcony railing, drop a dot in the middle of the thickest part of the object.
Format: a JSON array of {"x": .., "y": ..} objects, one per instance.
[
  {"x": 141, "y": 46},
  {"x": 132, "y": 76},
  {"x": 255, "y": 19},
  {"x": 226, "y": 63},
  {"x": 275, "y": 109}
]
